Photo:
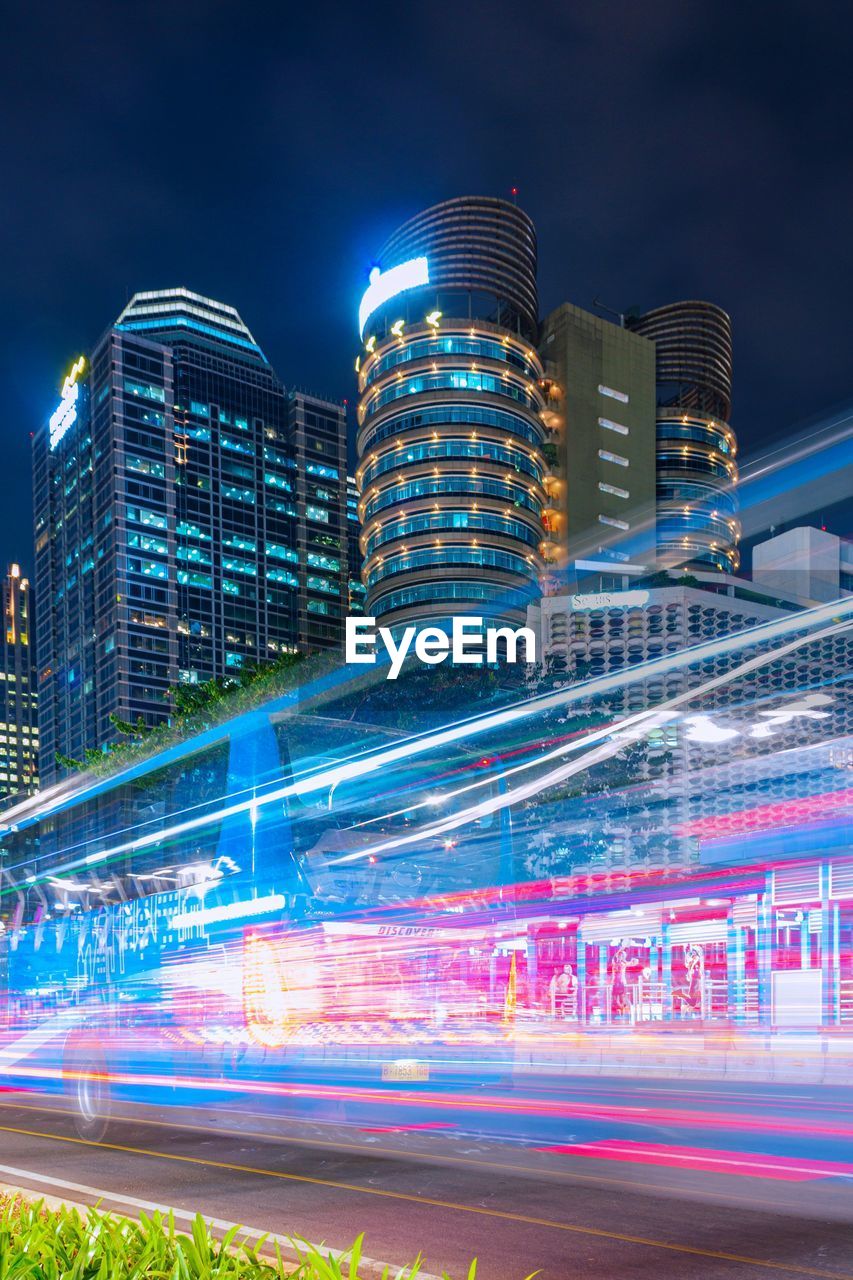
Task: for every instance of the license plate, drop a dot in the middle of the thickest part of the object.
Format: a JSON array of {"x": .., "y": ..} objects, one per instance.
[{"x": 405, "y": 1072}]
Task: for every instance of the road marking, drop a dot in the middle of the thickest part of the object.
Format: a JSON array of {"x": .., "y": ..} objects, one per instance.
[
  {"x": 292, "y": 1244},
  {"x": 545, "y": 1172},
  {"x": 599, "y": 1233}
]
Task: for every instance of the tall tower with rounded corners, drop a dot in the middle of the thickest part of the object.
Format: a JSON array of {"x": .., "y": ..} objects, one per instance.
[
  {"x": 450, "y": 461},
  {"x": 696, "y": 448}
]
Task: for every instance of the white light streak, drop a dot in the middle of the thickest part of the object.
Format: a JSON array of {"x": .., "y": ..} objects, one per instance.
[{"x": 232, "y": 911}]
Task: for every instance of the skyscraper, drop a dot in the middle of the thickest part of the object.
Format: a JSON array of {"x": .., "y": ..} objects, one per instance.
[
  {"x": 355, "y": 586},
  {"x": 696, "y": 447},
  {"x": 600, "y": 412},
  {"x": 19, "y": 728},
  {"x": 451, "y": 468},
  {"x": 319, "y": 441},
  {"x": 491, "y": 449},
  {"x": 190, "y": 518}
]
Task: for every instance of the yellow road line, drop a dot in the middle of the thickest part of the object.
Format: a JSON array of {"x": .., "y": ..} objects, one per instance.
[
  {"x": 544, "y": 1172},
  {"x": 410, "y": 1198}
]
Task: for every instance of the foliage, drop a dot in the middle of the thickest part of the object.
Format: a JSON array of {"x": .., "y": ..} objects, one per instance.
[
  {"x": 37, "y": 1243},
  {"x": 420, "y": 697},
  {"x": 196, "y": 707},
  {"x": 667, "y": 578}
]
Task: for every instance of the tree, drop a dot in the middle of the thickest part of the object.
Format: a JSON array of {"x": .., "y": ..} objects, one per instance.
[{"x": 195, "y": 707}]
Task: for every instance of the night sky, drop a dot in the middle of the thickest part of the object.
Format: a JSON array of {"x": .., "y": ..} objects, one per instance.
[{"x": 261, "y": 153}]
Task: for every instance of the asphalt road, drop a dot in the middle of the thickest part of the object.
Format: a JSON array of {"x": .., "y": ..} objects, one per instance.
[{"x": 612, "y": 1216}]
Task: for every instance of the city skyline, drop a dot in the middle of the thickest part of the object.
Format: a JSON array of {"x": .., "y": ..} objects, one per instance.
[{"x": 634, "y": 207}]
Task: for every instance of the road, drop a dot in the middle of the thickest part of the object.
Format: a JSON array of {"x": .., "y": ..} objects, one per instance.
[{"x": 605, "y": 1214}]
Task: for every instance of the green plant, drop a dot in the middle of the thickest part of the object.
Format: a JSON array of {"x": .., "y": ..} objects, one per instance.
[{"x": 37, "y": 1243}]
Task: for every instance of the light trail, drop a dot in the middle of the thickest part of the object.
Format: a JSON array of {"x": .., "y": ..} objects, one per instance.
[
  {"x": 362, "y": 765},
  {"x": 614, "y": 739}
]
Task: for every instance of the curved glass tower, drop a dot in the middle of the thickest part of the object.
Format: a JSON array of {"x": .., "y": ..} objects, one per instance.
[
  {"x": 450, "y": 461},
  {"x": 696, "y": 448}
]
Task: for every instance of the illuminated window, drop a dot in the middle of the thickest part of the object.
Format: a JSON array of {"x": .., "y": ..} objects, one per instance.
[
  {"x": 238, "y": 495},
  {"x": 610, "y": 425},
  {"x": 614, "y": 395},
  {"x": 189, "y": 578},
  {"x": 146, "y": 390},
  {"x": 238, "y": 446},
  {"x": 194, "y": 555},
  {"x": 319, "y": 561},
  {"x": 148, "y": 568},
  {"x": 147, "y": 542},
  {"x": 282, "y": 553},
  {"x": 236, "y": 565},
  {"x": 240, "y": 543},
  {"x": 186, "y": 530},
  {"x": 145, "y": 467},
  {"x": 316, "y": 583},
  {"x": 607, "y": 456},
  {"x": 143, "y": 515}
]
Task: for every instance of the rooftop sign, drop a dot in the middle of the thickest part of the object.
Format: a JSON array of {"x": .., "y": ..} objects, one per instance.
[
  {"x": 65, "y": 415},
  {"x": 387, "y": 284}
]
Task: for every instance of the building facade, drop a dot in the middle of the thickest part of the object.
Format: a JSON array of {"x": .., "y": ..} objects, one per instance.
[
  {"x": 696, "y": 448},
  {"x": 806, "y": 563},
  {"x": 600, "y": 388},
  {"x": 190, "y": 519},
  {"x": 493, "y": 450},
  {"x": 712, "y": 743},
  {"x": 355, "y": 587},
  {"x": 317, "y": 431},
  {"x": 19, "y": 775},
  {"x": 451, "y": 468}
]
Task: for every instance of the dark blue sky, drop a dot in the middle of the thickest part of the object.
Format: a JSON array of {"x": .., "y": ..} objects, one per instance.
[{"x": 261, "y": 153}]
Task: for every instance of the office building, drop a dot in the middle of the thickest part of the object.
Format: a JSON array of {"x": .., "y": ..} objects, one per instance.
[
  {"x": 318, "y": 439},
  {"x": 355, "y": 587},
  {"x": 805, "y": 563},
  {"x": 451, "y": 469},
  {"x": 485, "y": 461},
  {"x": 586, "y": 636},
  {"x": 19, "y": 774},
  {"x": 600, "y": 412},
  {"x": 190, "y": 519},
  {"x": 696, "y": 448}
]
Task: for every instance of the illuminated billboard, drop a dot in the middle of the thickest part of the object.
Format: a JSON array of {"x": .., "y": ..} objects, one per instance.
[
  {"x": 387, "y": 284},
  {"x": 65, "y": 415}
]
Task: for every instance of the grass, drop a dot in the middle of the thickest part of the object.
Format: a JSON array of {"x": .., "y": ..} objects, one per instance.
[{"x": 41, "y": 1243}]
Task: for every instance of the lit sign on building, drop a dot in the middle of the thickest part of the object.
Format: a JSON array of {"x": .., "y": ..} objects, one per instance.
[
  {"x": 65, "y": 415},
  {"x": 387, "y": 284},
  {"x": 611, "y": 600}
]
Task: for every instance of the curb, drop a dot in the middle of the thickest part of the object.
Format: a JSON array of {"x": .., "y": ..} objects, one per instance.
[{"x": 105, "y": 1200}]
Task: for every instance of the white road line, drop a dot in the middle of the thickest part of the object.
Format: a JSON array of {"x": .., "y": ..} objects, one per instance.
[{"x": 287, "y": 1243}]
